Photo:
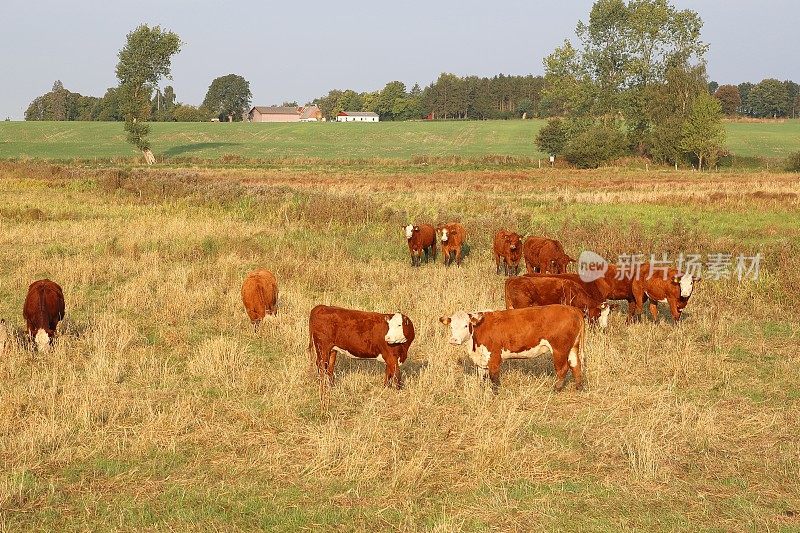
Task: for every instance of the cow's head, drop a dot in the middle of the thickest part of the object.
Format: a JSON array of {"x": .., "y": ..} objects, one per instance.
[
  {"x": 42, "y": 340},
  {"x": 686, "y": 283},
  {"x": 599, "y": 315},
  {"x": 444, "y": 234},
  {"x": 395, "y": 334},
  {"x": 410, "y": 230},
  {"x": 559, "y": 265},
  {"x": 514, "y": 242},
  {"x": 461, "y": 325}
]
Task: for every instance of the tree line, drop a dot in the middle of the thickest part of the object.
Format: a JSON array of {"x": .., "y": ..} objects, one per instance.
[{"x": 769, "y": 98}]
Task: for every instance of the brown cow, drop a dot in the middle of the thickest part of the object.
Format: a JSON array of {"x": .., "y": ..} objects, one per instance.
[
  {"x": 260, "y": 295},
  {"x": 43, "y": 310},
  {"x": 508, "y": 246},
  {"x": 669, "y": 287},
  {"x": 537, "y": 290},
  {"x": 545, "y": 256},
  {"x": 362, "y": 335},
  {"x": 494, "y": 336},
  {"x": 421, "y": 238},
  {"x": 453, "y": 236}
]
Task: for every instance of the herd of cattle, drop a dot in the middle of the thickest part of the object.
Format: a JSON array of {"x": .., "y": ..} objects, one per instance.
[{"x": 546, "y": 309}]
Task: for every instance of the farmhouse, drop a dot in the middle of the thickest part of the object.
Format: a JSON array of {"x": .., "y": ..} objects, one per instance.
[
  {"x": 284, "y": 114},
  {"x": 357, "y": 116}
]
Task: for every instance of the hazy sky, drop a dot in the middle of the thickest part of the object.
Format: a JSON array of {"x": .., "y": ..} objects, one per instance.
[{"x": 299, "y": 51}]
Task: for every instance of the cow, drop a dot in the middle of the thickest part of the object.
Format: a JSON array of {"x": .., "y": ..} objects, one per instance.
[
  {"x": 545, "y": 256},
  {"x": 43, "y": 310},
  {"x": 536, "y": 290},
  {"x": 259, "y": 295},
  {"x": 421, "y": 239},
  {"x": 494, "y": 336},
  {"x": 668, "y": 286},
  {"x": 508, "y": 247},
  {"x": 453, "y": 236},
  {"x": 362, "y": 335}
]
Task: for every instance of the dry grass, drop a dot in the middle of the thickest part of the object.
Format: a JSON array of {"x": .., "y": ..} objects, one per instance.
[{"x": 160, "y": 408}]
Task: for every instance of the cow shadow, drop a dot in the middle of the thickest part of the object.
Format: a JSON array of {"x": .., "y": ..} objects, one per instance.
[
  {"x": 346, "y": 365},
  {"x": 539, "y": 366},
  {"x": 196, "y": 147}
]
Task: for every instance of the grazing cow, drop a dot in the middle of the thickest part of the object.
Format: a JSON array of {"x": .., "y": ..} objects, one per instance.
[
  {"x": 545, "y": 256},
  {"x": 494, "y": 336},
  {"x": 669, "y": 287},
  {"x": 43, "y": 310},
  {"x": 536, "y": 290},
  {"x": 508, "y": 246},
  {"x": 453, "y": 236},
  {"x": 260, "y": 295},
  {"x": 421, "y": 238},
  {"x": 362, "y": 335}
]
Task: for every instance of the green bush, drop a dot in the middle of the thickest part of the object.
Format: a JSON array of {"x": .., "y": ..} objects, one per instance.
[
  {"x": 793, "y": 162},
  {"x": 552, "y": 138},
  {"x": 594, "y": 146}
]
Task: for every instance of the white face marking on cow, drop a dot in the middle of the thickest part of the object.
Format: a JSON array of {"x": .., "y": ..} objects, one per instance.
[
  {"x": 459, "y": 328},
  {"x": 42, "y": 340},
  {"x": 409, "y": 231},
  {"x": 687, "y": 284},
  {"x": 395, "y": 334},
  {"x": 444, "y": 235},
  {"x": 602, "y": 321},
  {"x": 542, "y": 348}
]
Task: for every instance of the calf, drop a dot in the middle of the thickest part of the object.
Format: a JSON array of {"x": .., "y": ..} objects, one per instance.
[
  {"x": 508, "y": 247},
  {"x": 43, "y": 310},
  {"x": 545, "y": 256},
  {"x": 669, "y": 287},
  {"x": 421, "y": 238},
  {"x": 260, "y": 295},
  {"x": 362, "y": 335},
  {"x": 536, "y": 290},
  {"x": 494, "y": 336},
  {"x": 453, "y": 236}
]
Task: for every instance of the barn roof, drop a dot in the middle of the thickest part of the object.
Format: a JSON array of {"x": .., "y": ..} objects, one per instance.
[
  {"x": 359, "y": 113},
  {"x": 275, "y": 110}
]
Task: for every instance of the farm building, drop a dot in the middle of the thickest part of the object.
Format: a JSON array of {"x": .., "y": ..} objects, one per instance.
[
  {"x": 284, "y": 114},
  {"x": 357, "y": 116}
]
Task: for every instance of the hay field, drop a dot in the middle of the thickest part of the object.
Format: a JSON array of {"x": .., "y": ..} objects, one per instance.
[{"x": 159, "y": 407}]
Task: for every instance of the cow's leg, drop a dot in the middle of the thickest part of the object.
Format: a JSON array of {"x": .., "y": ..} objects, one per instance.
[
  {"x": 322, "y": 351},
  {"x": 497, "y": 262},
  {"x": 673, "y": 309},
  {"x": 575, "y": 363},
  {"x": 424, "y": 251},
  {"x": 330, "y": 365},
  {"x": 638, "y": 307},
  {"x": 494, "y": 371},
  {"x": 458, "y": 256},
  {"x": 653, "y": 310},
  {"x": 433, "y": 251},
  {"x": 392, "y": 371},
  {"x": 561, "y": 365}
]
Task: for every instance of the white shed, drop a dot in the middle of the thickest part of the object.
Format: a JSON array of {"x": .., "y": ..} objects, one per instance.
[{"x": 357, "y": 116}]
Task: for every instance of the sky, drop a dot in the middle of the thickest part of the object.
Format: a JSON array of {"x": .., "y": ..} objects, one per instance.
[{"x": 300, "y": 51}]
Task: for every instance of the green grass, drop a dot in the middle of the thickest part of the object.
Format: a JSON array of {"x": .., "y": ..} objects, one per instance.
[{"x": 390, "y": 140}]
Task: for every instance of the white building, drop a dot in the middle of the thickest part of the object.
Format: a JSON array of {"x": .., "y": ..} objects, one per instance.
[{"x": 357, "y": 116}]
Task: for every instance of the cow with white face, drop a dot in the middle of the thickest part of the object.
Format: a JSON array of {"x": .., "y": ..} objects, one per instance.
[
  {"x": 494, "y": 336},
  {"x": 662, "y": 286},
  {"x": 453, "y": 237},
  {"x": 362, "y": 335},
  {"x": 421, "y": 240}
]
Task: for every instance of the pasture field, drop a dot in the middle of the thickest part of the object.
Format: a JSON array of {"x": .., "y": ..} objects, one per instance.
[
  {"x": 385, "y": 140},
  {"x": 160, "y": 408}
]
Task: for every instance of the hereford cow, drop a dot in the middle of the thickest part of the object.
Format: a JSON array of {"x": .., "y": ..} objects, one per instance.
[
  {"x": 545, "y": 256},
  {"x": 260, "y": 295},
  {"x": 494, "y": 336},
  {"x": 508, "y": 247},
  {"x": 362, "y": 335},
  {"x": 536, "y": 290},
  {"x": 421, "y": 238},
  {"x": 43, "y": 310},
  {"x": 453, "y": 236},
  {"x": 669, "y": 287}
]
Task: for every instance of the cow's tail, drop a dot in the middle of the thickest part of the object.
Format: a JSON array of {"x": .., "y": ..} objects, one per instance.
[
  {"x": 582, "y": 347},
  {"x": 44, "y": 320}
]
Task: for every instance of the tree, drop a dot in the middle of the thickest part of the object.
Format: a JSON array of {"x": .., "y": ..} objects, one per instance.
[
  {"x": 703, "y": 133},
  {"x": 712, "y": 87},
  {"x": 729, "y": 99},
  {"x": 769, "y": 98},
  {"x": 388, "y": 97},
  {"x": 145, "y": 59},
  {"x": 58, "y": 102},
  {"x": 229, "y": 97},
  {"x": 163, "y": 105},
  {"x": 190, "y": 113},
  {"x": 744, "y": 94},
  {"x": 552, "y": 138}
]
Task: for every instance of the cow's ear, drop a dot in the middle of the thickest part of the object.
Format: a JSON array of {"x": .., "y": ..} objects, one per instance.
[
  {"x": 570, "y": 260},
  {"x": 676, "y": 279},
  {"x": 475, "y": 318},
  {"x": 387, "y": 318},
  {"x": 603, "y": 305},
  {"x": 445, "y": 320},
  {"x": 696, "y": 279},
  {"x": 416, "y": 228}
]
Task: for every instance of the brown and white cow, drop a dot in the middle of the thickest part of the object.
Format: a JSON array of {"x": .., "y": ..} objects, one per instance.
[
  {"x": 545, "y": 256},
  {"x": 260, "y": 295},
  {"x": 421, "y": 239},
  {"x": 508, "y": 247},
  {"x": 494, "y": 336},
  {"x": 453, "y": 235},
  {"x": 43, "y": 310},
  {"x": 536, "y": 290},
  {"x": 361, "y": 335},
  {"x": 662, "y": 286}
]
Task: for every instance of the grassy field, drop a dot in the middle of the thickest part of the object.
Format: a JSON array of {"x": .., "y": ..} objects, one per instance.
[
  {"x": 159, "y": 407},
  {"x": 387, "y": 140}
]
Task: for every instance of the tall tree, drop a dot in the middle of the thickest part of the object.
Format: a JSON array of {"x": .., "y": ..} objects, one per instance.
[
  {"x": 769, "y": 98},
  {"x": 145, "y": 59},
  {"x": 388, "y": 97},
  {"x": 228, "y": 96},
  {"x": 703, "y": 133},
  {"x": 729, "y": 99}
]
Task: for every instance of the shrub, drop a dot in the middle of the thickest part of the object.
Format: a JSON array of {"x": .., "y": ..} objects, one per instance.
[
  {"x": 793, "y": 162},
  {"x": 552, "y": 138},
  {"x": 594, "y": 146}
]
